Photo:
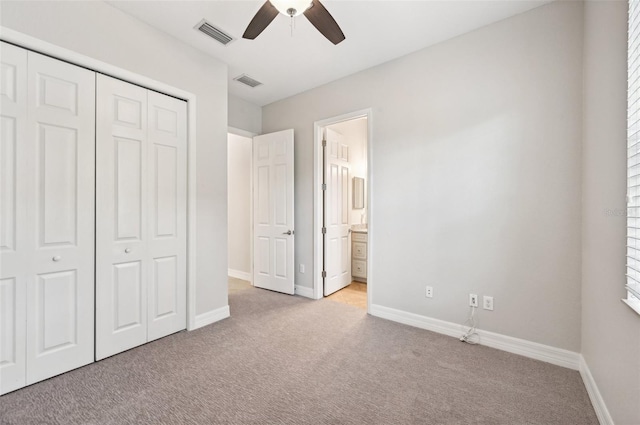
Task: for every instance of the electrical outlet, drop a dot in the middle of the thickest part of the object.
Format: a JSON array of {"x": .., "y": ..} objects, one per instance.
[
  {"x": 487, "y": 303},
  {"x": 301, "y": 268},
  {"x": 473, "y": 300},
  {"x": 429, "y": 293}
]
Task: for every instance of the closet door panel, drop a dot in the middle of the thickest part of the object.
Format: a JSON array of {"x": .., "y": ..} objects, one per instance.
[
  {"x": 127, "y": 294},
  {"x": 56, "y": 156},
  {"x": 167, "y": 217},
  {"x": 121, "y": 212},
  {"x": 60, "y": 290},
  {"x": 57, "y": 308},
  {"x": 15, "y": 233}
]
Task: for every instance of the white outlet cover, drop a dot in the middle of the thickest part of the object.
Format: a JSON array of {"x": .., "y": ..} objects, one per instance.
[
  {"x": 429, "y": 292},
  {"x": 487, "y": 303}
]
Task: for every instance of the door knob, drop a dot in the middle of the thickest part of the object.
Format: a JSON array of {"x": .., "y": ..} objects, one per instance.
[
  {"x": 127, "y": 250},
  {"x": 57, "y": 258},
  {"x": 289, "y": 232}
]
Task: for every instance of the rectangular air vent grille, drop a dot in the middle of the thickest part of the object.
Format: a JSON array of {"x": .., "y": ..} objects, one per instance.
[
  {"x": 245, "y": 79},
  {"x": 213, "y": 32}
]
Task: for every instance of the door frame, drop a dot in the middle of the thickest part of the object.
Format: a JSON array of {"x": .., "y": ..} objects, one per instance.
[
  {"x": 249, "y": 135},
  {"x": 40, "y": 46},
  {"x": 318, "y": 165}
]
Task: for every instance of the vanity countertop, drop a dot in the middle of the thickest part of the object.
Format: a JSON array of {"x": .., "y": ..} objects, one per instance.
[{"x": 365, "y": 230}]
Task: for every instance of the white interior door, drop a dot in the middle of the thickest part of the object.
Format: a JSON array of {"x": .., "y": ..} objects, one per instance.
[
  {"x": 14, "y": 228},
  {"x": 121, "y": 213},
  {"x": 141, "y": 214},
  {"x": 273, "y": 225},
  {"x": 60, "y": 289},
  {"x": 167, "y": 158},
  {"x": 337, "y": 243}
]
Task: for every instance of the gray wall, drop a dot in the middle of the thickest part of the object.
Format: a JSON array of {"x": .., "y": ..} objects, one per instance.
[
  {"x": 102, "y": 32},
  {"x": 244, "y": 115},
  {"x": 610, "y": 329},
  {"x": 476, "y": 157},
  {"x": 239, "y": 202}
]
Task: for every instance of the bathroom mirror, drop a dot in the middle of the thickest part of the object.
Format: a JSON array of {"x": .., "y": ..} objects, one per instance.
[{"x": 358, "y": 193}]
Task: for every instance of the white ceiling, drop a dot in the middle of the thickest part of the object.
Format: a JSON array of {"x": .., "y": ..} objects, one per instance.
[{"x": 376, "y": 31}]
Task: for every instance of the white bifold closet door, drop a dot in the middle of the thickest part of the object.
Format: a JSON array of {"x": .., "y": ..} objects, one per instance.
[
  {"x": 47, "y": 224},
  {"x": 141, "y": 216}
]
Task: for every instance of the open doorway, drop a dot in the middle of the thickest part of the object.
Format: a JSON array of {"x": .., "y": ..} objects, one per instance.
[
  {"x": 342, "y": 211},
  {"x": 239, "y": 169},
  {"x": 260, "y": 198}
]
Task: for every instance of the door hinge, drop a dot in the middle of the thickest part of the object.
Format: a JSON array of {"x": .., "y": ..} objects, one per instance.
[
  {"x": 324, "y": 186},
  {"x": 324, "y": 230},
  {"x": 324, "y": 274},
  {"x": 324, "y": 143}
]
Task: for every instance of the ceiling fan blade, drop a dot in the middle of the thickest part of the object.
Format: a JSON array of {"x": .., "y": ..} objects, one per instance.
[
  {"x": 263, "y": 18},
  {"x": 324, "y": 22}
]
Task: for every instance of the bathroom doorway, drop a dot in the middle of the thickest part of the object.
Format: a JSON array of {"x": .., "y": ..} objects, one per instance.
[{"x": 342, "y": 209}]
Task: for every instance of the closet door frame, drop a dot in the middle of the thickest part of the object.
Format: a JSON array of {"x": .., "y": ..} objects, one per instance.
[{"x": 31, "y": 43}]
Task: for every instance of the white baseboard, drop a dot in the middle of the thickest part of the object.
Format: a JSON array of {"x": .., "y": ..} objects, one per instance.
[
  {"x": 534, "y": 350},
  {"x": 594, "y": 394},
  {"x": 303, "y": 291},
  {"x": 239, "y": 275},
  {"x": 212, "y": 316}
]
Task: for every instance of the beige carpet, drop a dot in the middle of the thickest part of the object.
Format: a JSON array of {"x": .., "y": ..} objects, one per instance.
[{"x": 288, "y": 360}]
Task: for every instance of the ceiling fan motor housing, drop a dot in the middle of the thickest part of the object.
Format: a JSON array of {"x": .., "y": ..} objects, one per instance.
[{"x": 291, "y": 7}]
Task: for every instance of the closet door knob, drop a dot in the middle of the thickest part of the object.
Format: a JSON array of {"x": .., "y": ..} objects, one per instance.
[
  {"x": 57, "y": 258},
  {"x": 127, "y": 250}
]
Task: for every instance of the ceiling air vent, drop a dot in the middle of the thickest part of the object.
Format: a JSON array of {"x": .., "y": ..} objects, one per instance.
[
  {"x": 213, "y": 32},
  {"x": 245, "y": 79}
]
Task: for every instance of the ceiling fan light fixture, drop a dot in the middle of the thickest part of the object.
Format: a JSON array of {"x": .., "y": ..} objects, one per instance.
[{"x": 291, "y": 7}]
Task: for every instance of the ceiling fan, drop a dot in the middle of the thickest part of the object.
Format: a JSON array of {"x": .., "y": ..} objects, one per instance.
[{"x": 312, "y": 9}]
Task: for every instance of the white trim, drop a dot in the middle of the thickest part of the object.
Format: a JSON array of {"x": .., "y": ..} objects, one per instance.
[
  {"x": 192, "y": 227},
  {"x": 317, "y": 199},
  {"x": 533, "y": 350},
  {"x": 212, "y": 316},
  {"x": 370, "y": 232},
  {"x": 40, "y": 46},
  {"x": 317, "y": 212},
  {"x": 634, "y": 305},
  {"x": 594, "y": 394},
  {"x": 239, "y": 274},
  {"x": 304, "y": 291}
]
